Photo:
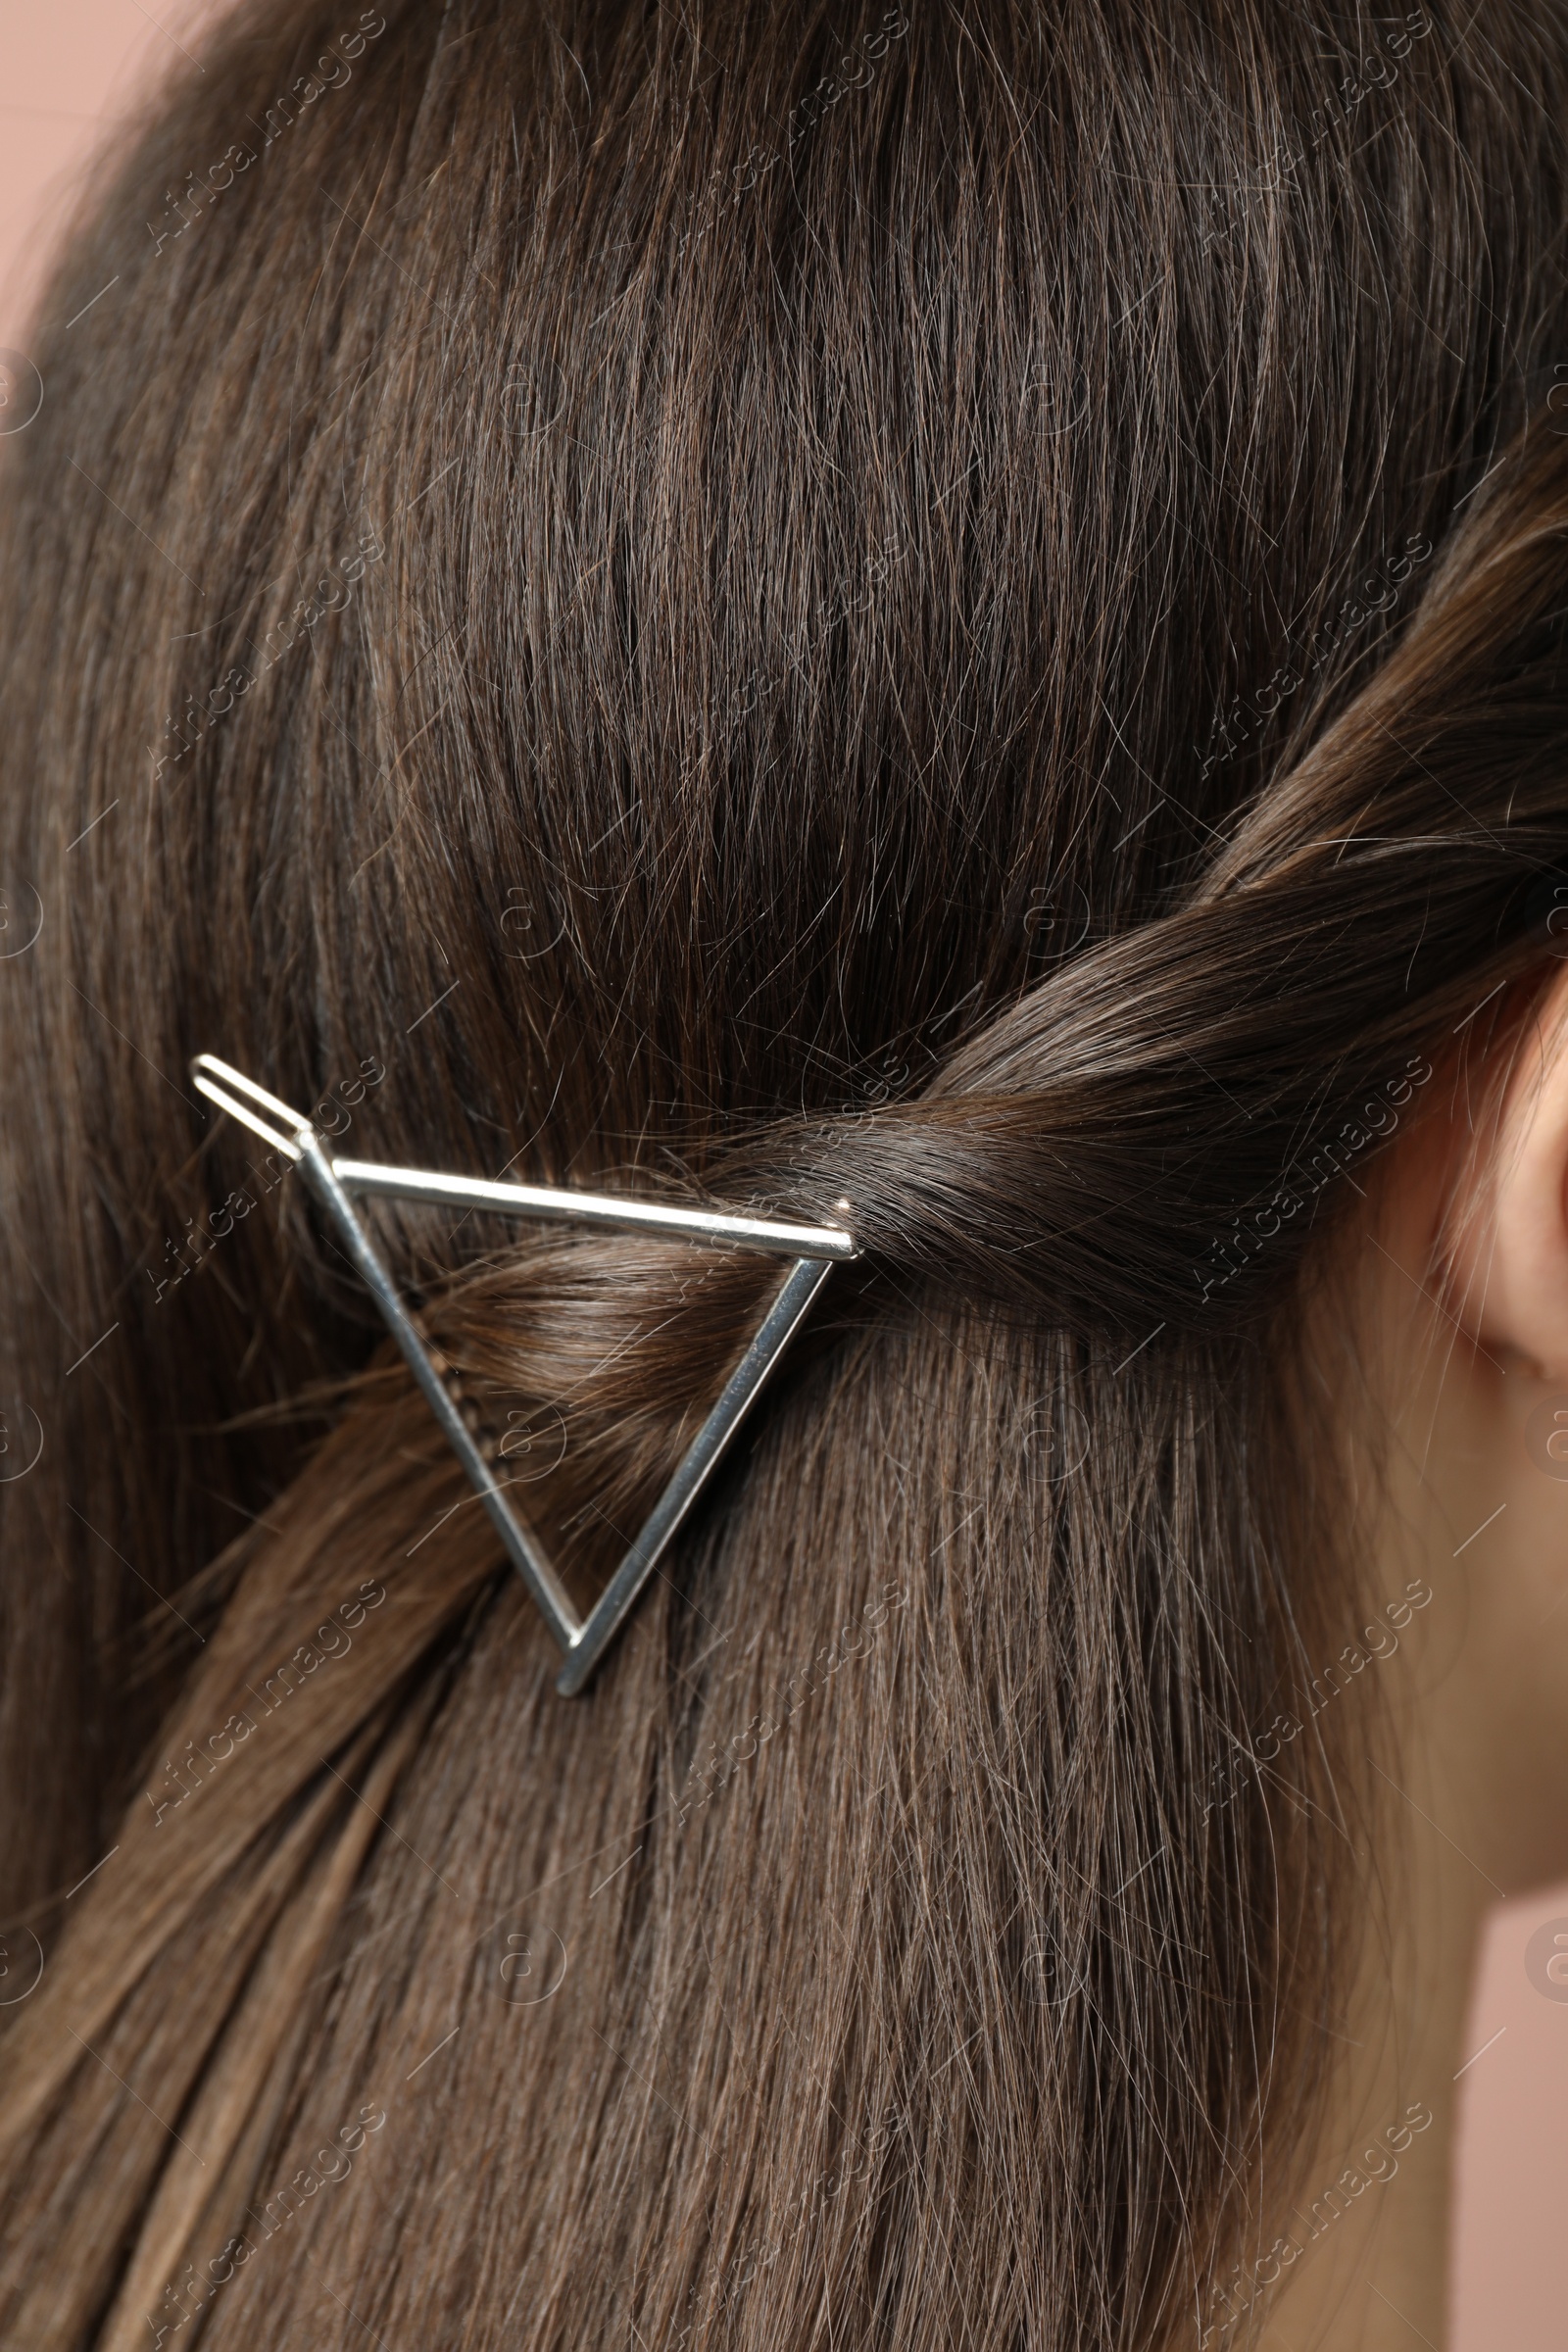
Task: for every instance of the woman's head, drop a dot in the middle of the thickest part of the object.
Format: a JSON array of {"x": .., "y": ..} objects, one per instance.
[{"x": 957, "y": 610}]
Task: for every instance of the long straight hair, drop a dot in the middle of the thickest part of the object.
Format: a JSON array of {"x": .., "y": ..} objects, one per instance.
[{"x": 961, "y": 608}]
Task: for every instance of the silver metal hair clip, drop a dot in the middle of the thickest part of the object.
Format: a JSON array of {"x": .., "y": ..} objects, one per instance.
[{"x": 337, "y": 1183}]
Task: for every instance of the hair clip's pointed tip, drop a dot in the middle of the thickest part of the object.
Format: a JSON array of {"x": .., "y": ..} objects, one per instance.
[{"x": 853, "y": 1248}]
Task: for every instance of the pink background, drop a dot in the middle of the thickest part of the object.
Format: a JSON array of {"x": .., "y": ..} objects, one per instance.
[
  {"x": 71, "y": 69},
  {"x": 76, "y": 68}
]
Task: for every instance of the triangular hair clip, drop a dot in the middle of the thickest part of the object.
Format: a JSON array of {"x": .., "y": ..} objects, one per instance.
[{"x": 337, "y": 1183}]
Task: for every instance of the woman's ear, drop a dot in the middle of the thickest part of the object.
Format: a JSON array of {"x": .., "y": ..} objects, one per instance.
[{"x": 1507, "y": 1220}]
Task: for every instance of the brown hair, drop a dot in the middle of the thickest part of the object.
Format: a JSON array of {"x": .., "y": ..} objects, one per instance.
[{"x": 961, "y": 608}]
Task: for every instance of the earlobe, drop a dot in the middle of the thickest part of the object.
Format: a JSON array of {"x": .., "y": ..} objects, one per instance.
[{"x": 1508, "y": 1220}]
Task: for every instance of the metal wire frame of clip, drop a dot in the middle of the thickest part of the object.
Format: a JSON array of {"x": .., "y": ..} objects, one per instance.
[{"x": 338, "y": 1183}]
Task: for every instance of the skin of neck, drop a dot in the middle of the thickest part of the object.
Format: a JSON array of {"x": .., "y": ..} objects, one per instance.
[{"x": 1464, "y": 1701}]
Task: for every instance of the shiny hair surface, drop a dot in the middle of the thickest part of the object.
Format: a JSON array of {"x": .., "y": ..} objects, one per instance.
[{"x": 960, "y": 607}]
